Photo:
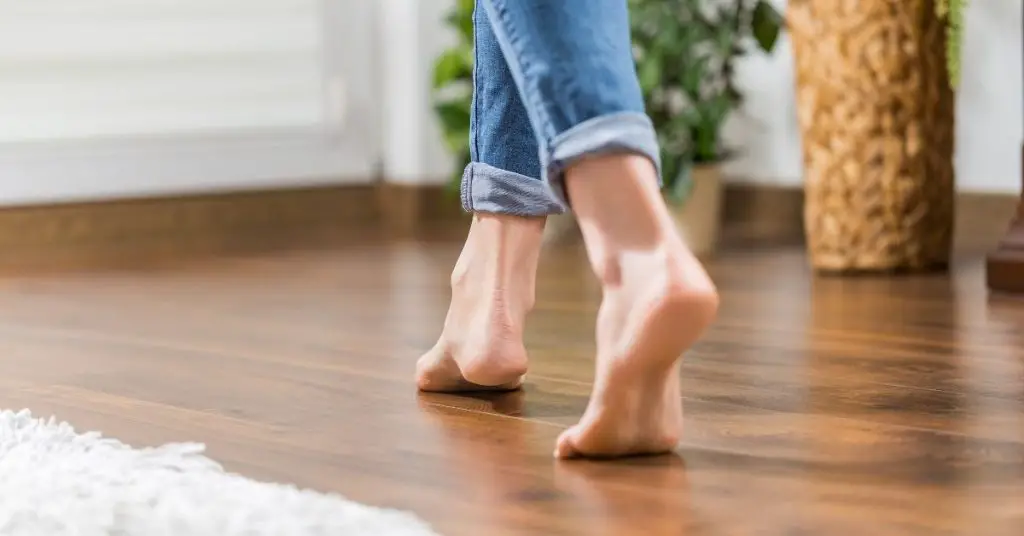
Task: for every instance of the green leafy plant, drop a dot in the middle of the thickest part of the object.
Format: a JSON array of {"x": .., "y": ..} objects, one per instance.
[
  {"x": 686, "y": 53},
  {"x": 952, "y": 11},
  {"x": 453, "y": 85}
]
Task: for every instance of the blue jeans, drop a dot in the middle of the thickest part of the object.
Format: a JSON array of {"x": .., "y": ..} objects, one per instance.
[{"x": 554, "y": 81}]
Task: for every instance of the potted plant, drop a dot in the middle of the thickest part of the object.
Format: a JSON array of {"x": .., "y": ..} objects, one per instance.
[
  {"x": 686, "y": 55},
  {"x": 875, "y": 104}
]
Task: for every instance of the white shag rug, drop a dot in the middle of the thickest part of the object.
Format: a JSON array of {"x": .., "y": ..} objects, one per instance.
[{"x": 56, "y": 482}]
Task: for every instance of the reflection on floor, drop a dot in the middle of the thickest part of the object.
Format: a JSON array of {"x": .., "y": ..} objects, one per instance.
[{"x": 815, "y": 406}]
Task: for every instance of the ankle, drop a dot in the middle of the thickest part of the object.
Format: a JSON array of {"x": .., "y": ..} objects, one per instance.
[
  {"x": 499, "y": 261},
  {"x": 678, "y": 275}
]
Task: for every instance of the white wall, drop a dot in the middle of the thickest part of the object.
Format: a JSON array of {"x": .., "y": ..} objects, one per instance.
[
  {"x": 372, "y": 61},
  {"x": 103, "y": 99},
  {"x": 989, "y": 107},
  {"x": 412, "y": 34},
  {"x": 989, "y": 113}
]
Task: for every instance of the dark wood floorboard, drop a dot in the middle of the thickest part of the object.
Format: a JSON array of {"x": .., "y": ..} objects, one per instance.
[{"x": 815, "y": 406}]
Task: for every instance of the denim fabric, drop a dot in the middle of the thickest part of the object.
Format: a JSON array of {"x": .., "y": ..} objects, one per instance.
[
  {"x": 505, "y": 174},
  {"x": 562, "y": 70}
]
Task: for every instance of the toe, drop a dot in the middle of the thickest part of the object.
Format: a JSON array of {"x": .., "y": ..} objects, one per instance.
[
  {"x": 565, "y": 447},
  {"x": 436, "y": 371}
]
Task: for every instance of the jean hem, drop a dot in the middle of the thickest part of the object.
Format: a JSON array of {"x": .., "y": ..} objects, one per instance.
[
  {"x": 625, "y": 132},
  {"x": 489, "y": 189}
]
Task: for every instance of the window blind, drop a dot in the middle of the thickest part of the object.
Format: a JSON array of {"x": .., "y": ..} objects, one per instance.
[
  {"x": 103, "y": 99},
  {"x": 108, "y": 69}
]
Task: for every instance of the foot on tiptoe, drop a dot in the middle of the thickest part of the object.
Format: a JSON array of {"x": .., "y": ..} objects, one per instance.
[
  {"x": 493, "y": 286},
  {"x": 657, "y": 301}
]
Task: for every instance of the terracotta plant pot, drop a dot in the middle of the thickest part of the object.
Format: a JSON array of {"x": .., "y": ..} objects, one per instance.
[
  {"x": 699, "y": 217},
  {"x": 876, "y": 115}
]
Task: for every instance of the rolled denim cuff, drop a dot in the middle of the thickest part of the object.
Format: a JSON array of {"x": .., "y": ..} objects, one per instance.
[
  {"x": 489, "y": 189},
  {"x": 627, "y": 132}
]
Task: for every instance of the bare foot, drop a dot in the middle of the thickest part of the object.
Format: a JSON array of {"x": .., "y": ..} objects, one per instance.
[
  {"x": 493, "y": 285},
  {"x": 657, "y": 302}
]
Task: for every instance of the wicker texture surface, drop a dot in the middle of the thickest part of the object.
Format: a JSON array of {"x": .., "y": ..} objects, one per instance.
[{"x": 876, "y": 113}]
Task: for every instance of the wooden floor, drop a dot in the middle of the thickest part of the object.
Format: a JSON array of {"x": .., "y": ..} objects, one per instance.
[{"x": 815, "y": 406}]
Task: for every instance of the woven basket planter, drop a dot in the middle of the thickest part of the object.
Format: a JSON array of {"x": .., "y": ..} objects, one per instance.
[{"x": 876, "y": 114}]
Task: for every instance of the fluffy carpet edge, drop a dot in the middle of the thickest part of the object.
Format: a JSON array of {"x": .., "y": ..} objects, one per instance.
[{"x": 55, "y": 481}]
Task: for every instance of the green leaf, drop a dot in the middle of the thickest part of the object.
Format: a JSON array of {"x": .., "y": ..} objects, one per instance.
[
  {"x": 455, "y": 117},
  {"x": 718, "y": 108},
  {"x": 454, "y": 114},
  {"x": 678, "y": 189},
  {"x": 767, "y": 24},
  {"x": 455, "y": 64},
  {"x": 457, "y": 140},
  {"x": 695, "y": 75},
  {"x": 954, "y": 19},
  {"x": 461, "y": 19},
  {"x": 649, "y": 71}
]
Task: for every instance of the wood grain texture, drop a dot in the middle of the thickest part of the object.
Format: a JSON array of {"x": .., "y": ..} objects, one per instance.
[
  {"x": 815, "y": 405},
  {"x": 118, "y": 232},
  {"x": 136, "y": 232}
]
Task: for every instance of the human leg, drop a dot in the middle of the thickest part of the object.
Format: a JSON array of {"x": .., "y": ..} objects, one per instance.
[
  {"x": 573, "y": 66},
  {"x": 481, "y": 345}
]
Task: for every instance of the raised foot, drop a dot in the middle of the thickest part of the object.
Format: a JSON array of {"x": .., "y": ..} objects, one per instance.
[{"x": 636, "y": 407}]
